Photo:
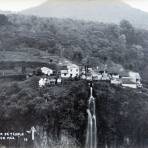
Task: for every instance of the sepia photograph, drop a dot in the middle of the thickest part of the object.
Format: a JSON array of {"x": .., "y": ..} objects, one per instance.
[{"x": 73, "y": 74}]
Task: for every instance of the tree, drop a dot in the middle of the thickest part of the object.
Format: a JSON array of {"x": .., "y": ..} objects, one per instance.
[
  {"x": 77, "y": 54},
  {"x": 3, "y": 20},
  {"x": 128, "y": 30},
  {"x": 122, "y": 40},
  {"x": 113, "y": 31}
]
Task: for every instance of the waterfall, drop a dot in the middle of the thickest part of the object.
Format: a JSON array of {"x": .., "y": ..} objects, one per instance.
[{"x": 91, "y": 137}]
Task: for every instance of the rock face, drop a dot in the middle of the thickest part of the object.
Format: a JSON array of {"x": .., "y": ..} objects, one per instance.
[{"x": 91, "y": 10}]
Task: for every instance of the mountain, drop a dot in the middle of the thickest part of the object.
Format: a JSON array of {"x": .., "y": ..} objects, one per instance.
[
  {"x": 5, "y": 12},
  {"x": 93, "y": 10}
]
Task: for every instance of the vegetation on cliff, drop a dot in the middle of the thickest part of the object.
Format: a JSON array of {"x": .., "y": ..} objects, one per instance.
[{"x": 121, "y": 112}]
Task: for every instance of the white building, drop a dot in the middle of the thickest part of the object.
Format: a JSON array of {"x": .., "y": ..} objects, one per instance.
[
  {"x": 68, "y": 69},
  {"x": 42, "y": 82},
  {"x": 71, "y": 70},
  {"x": 131, "y": 79},
  {"x": 135, "y": 76},
  {"x": 116, "y": 81},
  {"x": 127, "y": 82},
  {"x": 46, "y": 71},
  {"x": 96, "y": 76},
  {"x": 105, "y": 76},
  {"x": 115, "y": 76}
]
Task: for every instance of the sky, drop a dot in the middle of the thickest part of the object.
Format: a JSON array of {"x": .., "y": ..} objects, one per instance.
[
  {"x": 18, "y": 5},
  {"x": 140, "y": 4}
]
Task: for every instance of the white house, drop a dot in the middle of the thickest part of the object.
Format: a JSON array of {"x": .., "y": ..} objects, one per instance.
[
  {"x": 83, "y": 76},
  {"x": 47, "y": 71},
  {"x": 127, "y": 82},
  {"x": 71, "y": 70},
  {"x": 96, "y": 76},
  {"x": 135, "y": 76},
  {"x": 114, "y": 76},
  {"x": 105, "y": 76},
  {"x": 59, "y": 81},
  {"x": 116, "y": 81},
  {"x": 42, "y": 82}
]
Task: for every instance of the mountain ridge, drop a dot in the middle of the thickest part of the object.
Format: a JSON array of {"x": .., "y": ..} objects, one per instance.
[{"x": 91, "y": 11}]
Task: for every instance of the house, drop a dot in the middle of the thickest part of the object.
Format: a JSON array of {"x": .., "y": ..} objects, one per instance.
[
  {"x": 83, "y": 76},
  {"x": 135, "y": 76},
  {"x": 127, "y": 82},
  {"x": 70, "y": 70},
  {"x": 96, "y": 75},
  {"x": 42, "y": 82},
  {"x": 115, "y": 78},
  {"x": 73, "y": 70},
  {"x": 105, "y": 76},
  {"x": 89, "y": 69},
  {"x": 131, "y": 79},
  {"x": 51, "y": 81},
  {"x": 116, "y": 81},
  {"x": 64, "y": 72},
  {"x": 48, "y": 81},
  {"x": 139, "y": 84},
  {"x": 114, "y": 75},
  {"x": 46, "y": 71},
  {"x": 59, "y": 81}
]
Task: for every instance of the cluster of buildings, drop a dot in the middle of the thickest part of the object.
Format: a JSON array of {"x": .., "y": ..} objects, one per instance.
[
  {"x": 68, "y": 70},
  {"x": 123, "y": 78}
]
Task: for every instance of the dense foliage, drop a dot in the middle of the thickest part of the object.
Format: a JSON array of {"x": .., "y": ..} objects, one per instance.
[
  {"x": 120, "y": 112},
  {"x": 58, "y": 108},
  {"x": 83, "y": 42}
]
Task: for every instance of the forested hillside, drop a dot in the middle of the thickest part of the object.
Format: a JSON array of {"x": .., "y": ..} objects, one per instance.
[
  {"x": 83, "y": 42},
  {"x": 120, "y": 112}
]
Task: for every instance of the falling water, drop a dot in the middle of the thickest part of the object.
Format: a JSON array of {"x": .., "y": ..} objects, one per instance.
[{"x": 91, "y": 138}]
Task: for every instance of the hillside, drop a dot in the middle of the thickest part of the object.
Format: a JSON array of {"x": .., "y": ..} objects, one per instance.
[
  {"x": 91, "y": 11},
  {"x": 86, "y": 43},
  {"x": 120, "y": 112}
]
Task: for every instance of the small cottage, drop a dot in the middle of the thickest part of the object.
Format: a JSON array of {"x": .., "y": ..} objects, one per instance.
[
  {"x": 46, "y": 71},
  {"x": 105, "y": 76},
  {"x": 116, "y": 81},
  {"x": 73, "y": 70},
  {"x": 127, "y": 82},
  {"x": 64, "y": 72},
  {"x": 70, "y": 70},
  {"x": 135, "y": 76}
]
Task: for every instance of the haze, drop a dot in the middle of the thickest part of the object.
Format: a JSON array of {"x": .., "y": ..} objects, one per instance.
[{"x": 19, "y": 5}]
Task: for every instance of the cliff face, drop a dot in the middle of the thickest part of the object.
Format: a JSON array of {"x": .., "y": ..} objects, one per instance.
[{"x": 120, "y": 112}]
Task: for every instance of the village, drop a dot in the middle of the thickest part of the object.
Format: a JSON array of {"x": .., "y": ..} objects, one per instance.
[{"x": 70, "y": 71}]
